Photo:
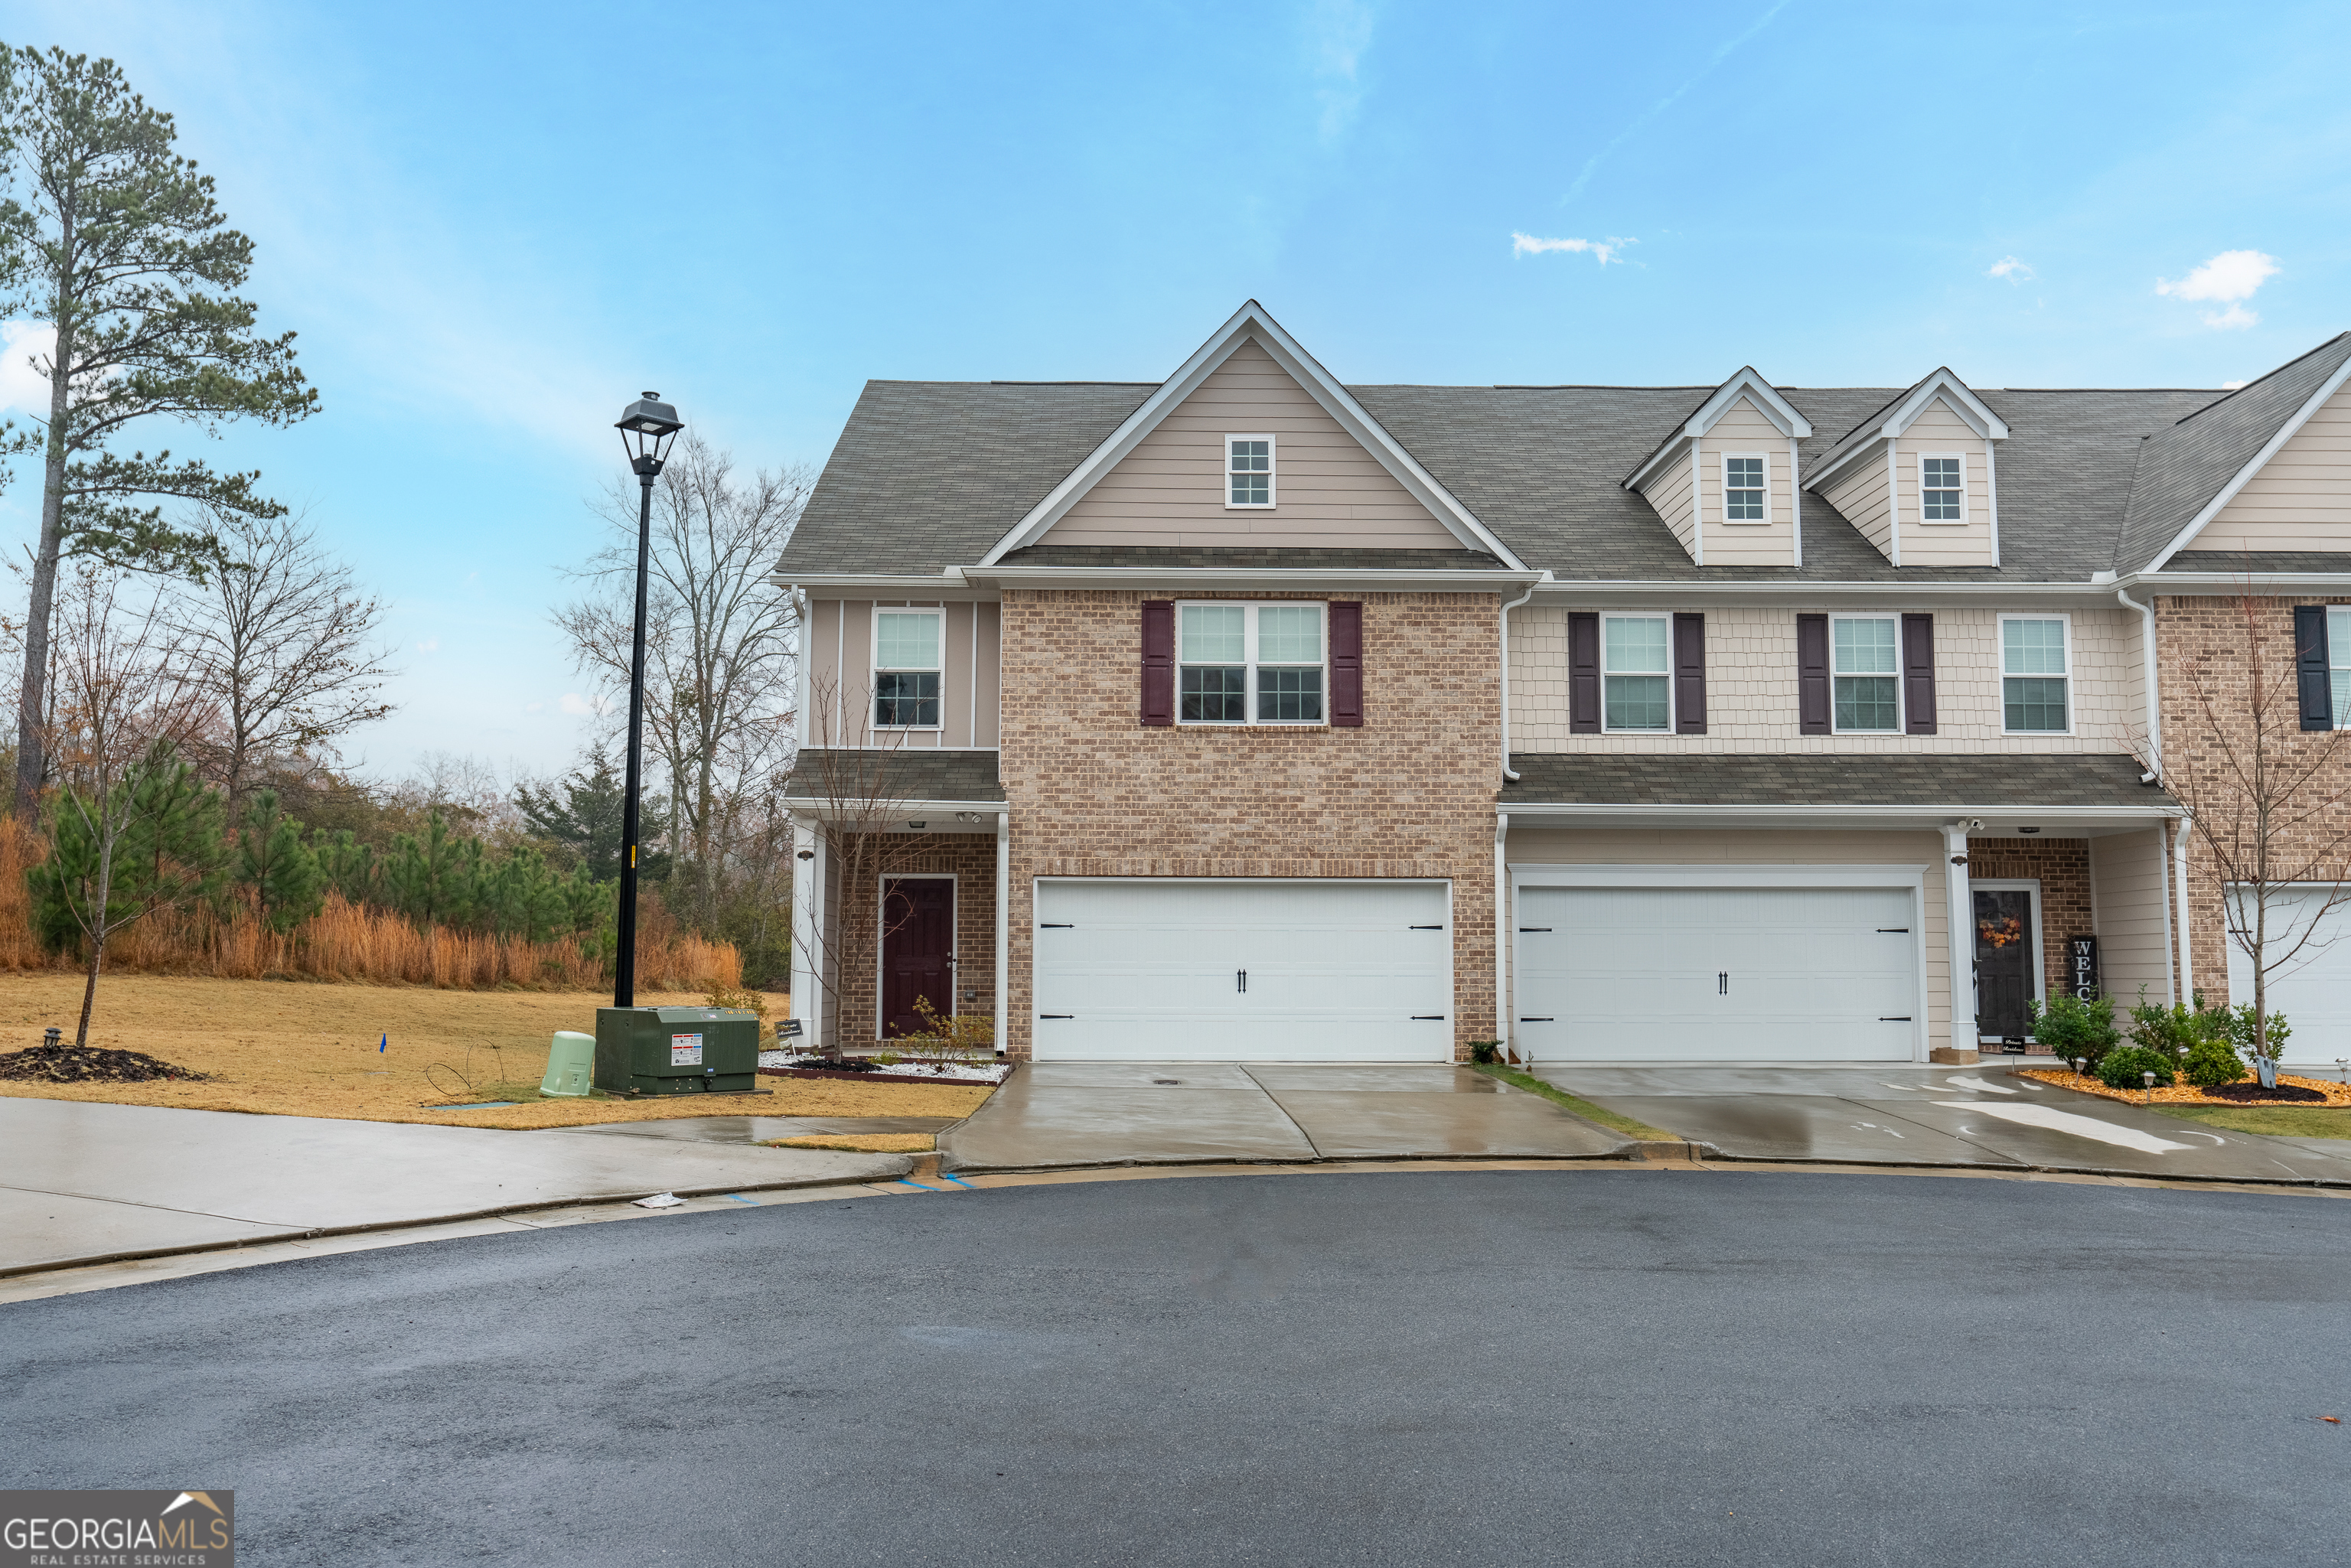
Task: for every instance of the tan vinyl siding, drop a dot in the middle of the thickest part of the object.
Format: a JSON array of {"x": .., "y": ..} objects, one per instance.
[
  {"x": 2301, "y": 498},
  {"x": 1750, "y": 686},
  {"x": 1744, "y": 431},
  {"x": 1857, "y": 491},
  {"x": 1765, "y": 846},
  {"x": 1667, "y": 491},
  {"x": 2126, "y": 882},
  {"x": 1938, "y": 431},
  {"x": 840, "y": 675},
  {"x": 1329, "y": 493}
]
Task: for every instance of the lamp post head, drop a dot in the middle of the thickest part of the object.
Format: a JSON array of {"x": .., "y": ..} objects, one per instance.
[{"x": 646, "y": 429}]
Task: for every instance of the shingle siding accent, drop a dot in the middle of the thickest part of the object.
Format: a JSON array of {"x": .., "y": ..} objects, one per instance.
[{"x": 1410, "y": 794}]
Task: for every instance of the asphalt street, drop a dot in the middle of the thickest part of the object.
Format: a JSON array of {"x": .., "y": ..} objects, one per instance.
[{"x": 1575, "y": 1366}]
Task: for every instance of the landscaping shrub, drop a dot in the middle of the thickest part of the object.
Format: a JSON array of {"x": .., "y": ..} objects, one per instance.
[
  {"x": 2072, "y": 1027},
  {"x": 2125, "y": 1067},
  {"x": 2240, "y": 1028},
  {"x": 2212, "y": 1062},
  {"x": 1485, "y": 1052}
]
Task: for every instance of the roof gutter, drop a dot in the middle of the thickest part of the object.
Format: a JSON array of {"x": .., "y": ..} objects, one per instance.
[
  {"x": 1390, "y": 579},
  {"x": 1801, "y": 592},
  {"x": 1653, "y": 811}
]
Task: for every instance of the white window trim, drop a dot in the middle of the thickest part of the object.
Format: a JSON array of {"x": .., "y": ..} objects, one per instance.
[
  {"x": 2341, "y": 719},
  {"x": 2073, "y": 697},
  {"x": 1924, "y": 520},
  {"x": 1723, "y": 505},
  {"x": 1248, "y": 649},
  {"x": 877, "y": 669},
  {"x": 1672, "y": 711},
  {"x": 1272, "y": 472},
  {"x": 1901, "y": 696}
]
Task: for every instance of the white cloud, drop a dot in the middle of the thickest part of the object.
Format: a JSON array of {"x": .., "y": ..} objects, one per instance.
[
  {"x": 579, "y": 707},
  {"x": 1604, "y": 251},
  {"x": 2009, "y": 268},
  {"x": 2232, "y": 386},
  {"x": 2228, "y": 279},
  {"x": 1339, "y": 33},
  {"x": 429, "y": 645},
  {"x": 21, "y": 386}
]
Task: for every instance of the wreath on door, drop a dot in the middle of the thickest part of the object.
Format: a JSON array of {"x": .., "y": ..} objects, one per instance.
[{"x": 2000, "y": 932}]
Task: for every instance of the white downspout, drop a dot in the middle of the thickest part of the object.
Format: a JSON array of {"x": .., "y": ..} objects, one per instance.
[
  {"x": 2147, "y": 658},
  {"x": 1502, "y": 918},
  {"x": 2176, "y": 943},
  {"x": 1959, "y": 916},
  {"x": 1003, "y": 927},
  {"x": 1513, "y": 604}
]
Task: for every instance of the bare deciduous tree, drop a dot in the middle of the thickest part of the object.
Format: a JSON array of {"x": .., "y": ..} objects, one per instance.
[
  {"x": 720, "y": 641},
  {"x": 2264, "y": 798},
  {"x": 284, "y": 641}
]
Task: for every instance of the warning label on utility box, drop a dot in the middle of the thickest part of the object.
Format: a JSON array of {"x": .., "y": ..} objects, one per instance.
[{"x": 686, "y": 1050}]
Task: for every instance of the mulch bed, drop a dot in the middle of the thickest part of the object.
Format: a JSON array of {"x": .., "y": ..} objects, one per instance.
[
  {"x": 63, "y": 1063},
  {"x": 2293, "y": 1090}
]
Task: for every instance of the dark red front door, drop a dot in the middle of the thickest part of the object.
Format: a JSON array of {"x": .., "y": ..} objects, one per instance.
[{"x": 918, "y": 944}]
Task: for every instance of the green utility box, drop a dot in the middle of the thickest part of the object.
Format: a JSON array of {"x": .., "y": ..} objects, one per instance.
[{"x": 676, "y": 1050}]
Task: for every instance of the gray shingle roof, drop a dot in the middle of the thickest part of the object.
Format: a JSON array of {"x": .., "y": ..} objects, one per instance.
[
  {"x": 1818, "y": 778},
  {"x": 929, "y": 474},
  {"x": 904, "y": 773},
  {"x": 2229, "y": 561},
  {"x": 2187, "y": 462}
]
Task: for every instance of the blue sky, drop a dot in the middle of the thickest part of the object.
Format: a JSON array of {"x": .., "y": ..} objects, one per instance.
[{"x": 493, "y": 224}]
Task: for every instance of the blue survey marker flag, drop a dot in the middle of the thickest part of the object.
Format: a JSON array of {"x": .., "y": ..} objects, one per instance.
[{"x": 381, "y": 1043}]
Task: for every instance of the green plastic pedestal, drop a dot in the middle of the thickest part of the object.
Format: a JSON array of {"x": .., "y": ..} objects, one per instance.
[
  {"x": 676, "y": 1050},
  {"x": 570, "y": 1061}
]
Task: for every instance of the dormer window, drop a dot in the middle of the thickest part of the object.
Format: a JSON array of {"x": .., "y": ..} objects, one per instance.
[
  {"x": 1248, "y": 470},
  {"x": 1941, "y": 494},
  {"x": 1742, "y": 488}
]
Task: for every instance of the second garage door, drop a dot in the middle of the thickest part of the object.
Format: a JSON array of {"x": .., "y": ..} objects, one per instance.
[
  {"x": 1716, "y": 973},
  {"x": 1163, "y": 969}
]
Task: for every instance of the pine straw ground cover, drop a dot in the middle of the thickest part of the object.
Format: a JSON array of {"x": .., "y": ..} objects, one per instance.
[
  {"x": 2184, "y": 1093},
  {"x": 309, "y": 1049}
]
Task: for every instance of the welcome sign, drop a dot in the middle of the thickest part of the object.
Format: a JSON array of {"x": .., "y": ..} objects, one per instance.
[{"x": 2082, "y": 968}]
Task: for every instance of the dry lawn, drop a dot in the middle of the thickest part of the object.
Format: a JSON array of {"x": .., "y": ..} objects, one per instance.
[{"x": 309, "y": 1049}]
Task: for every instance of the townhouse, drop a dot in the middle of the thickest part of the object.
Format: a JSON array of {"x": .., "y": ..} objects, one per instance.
[{"x": 1249, "y": 716}]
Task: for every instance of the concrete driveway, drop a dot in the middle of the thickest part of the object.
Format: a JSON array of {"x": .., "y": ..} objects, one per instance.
[
  {"x": 1061, "y": 1115},
  {"x": 1984, "y": 1116}
]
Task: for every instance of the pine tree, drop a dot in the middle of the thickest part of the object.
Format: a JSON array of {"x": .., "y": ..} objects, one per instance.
[
  {"x": 349, "y": 866},
  {"x": 429, "y": 876},
  {"x": 288, "y": 883}
]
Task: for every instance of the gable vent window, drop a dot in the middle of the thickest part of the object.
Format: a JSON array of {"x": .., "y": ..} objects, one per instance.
[
  {"x": 1742, "y": 489},
  {"x": 1940, "y": 490},
  {"x": 1867, "y": 675},
  {"x": 2034, "y": 670},
  {"x": 907, "y": 669},
  {"x": 1242, "y": 663},
  {"x": 1248, "y": 470}
]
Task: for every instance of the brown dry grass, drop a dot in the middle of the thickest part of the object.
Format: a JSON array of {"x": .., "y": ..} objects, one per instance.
[
  {"x": 353, "y": 942},
  {"x": 305, "y": 1049},
  {"x": 863, "y": 1143},
  {"x": 2185, "y": 1093}
]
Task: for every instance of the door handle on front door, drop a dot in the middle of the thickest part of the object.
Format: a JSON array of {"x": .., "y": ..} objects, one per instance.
[{"x": 1240, "y": 981}]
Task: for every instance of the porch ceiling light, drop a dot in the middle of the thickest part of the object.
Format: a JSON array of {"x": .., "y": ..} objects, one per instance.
[
  {"x": 2028, "y": 830},
  {"x": 918, "y": 826}
]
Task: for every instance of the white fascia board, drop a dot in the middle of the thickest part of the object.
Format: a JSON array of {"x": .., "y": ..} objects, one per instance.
[
  {"x": 2243, "y": 477},
  {"x": 1251, "y": 320},
  {"x": 2087, "y": 595},
  {"x": 1970, "y": 408},
  {"x": 941, "y": 590},
  {"x": 1748, "y": 382},
  {"x": 1386, "y": 578}
]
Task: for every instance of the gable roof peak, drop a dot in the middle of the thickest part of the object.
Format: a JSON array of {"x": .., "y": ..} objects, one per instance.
[{"x": 1746, "y": 382}]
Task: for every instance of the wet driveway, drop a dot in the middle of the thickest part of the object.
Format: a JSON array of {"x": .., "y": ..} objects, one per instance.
[{"x": 1983, "y": 1116}]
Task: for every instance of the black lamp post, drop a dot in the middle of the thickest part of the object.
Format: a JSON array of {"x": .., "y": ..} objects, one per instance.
[{"x": 646, "y": 431}]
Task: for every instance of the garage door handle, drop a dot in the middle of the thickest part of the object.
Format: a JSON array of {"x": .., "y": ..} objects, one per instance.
[
  {"x": 1240, "y": 981},
  {"x": 1057, "y": 1015},
  {"x": 1428, "y": 1018}
]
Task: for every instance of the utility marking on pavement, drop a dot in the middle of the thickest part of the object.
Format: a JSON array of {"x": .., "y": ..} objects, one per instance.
[
  {"x": 1976, "y": 1083},
  {"x": 738, "y": 1197},
  {"x": 958, "y": 1181},
  {"x": 2066, "y": 1121},
  {"x": 905, "y": 1182}
]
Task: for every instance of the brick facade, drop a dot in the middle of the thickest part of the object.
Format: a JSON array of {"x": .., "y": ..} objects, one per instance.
[
  {"x": 2061, "y": 866},
  {"x": 1410, "y": 794},
  {"x": 970, "y": 859},
  {"x": 2212, "y": 639}
]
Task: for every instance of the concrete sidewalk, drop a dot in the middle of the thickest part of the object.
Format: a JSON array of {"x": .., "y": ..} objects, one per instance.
[
  {"x": 1983, "y": 1116},
  {"x": 1058, "y": 1115},
  {"x": 82, "y": 1182}
]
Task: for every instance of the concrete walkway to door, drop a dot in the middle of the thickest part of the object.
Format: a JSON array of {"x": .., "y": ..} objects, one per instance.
[{"x": 1073, "y": 1113}]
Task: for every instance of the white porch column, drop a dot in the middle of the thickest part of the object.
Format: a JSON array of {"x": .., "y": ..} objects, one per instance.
[
  {"x": 1505, "y": 920},
  {"x": 1961, "y": 917},
  {"x": 808, "y": 931},
  {"x": 2180, "y": 895},
  {"x": 1003, "y": 927}
]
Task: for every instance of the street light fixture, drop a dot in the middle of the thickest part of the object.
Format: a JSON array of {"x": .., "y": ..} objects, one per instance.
[{"x": 647, "y": 429}]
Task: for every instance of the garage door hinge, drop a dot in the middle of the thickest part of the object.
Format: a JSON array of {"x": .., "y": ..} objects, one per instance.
[
  {"x": 1055, "y": 926},
  {"x": 1895, "y": 930},
  {"x": 1057, "y": 1015},
  {"x": 1428, "y": 1018},
  {"x": 1525, "y": 928},
  {"x": 1425, "y": 928},
  {"x": 1538, "y": 1020},
  {"x": 1904, "y": 1019}
]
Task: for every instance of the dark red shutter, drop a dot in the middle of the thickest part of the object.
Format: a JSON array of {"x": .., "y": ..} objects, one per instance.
[
  {"x": 1346, "y": 666},
  {"x": 1689, "y": 673},
  {"x": 1159, "y": 661},
  {"x": 1918, "y": 673},
  {"x": 1584, "y": 671},
  {"x": 2311, "y": 671},
  {"x": 1812, "y": 675}
]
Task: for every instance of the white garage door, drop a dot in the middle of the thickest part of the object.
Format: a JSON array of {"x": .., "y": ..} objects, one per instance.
[
  {"x": 2313, "y": 989},
  {"x": 1243, "y": 970},
  {"x": 1716, "y": 973}
]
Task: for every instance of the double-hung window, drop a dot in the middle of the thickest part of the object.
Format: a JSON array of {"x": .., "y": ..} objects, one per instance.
[
  {"x": 1942, "y": 493},
  {"x": 1249, "y": 471},
  {"x": 907, "y": 669},
  {"x": 2035, "y": 668},
  {"x": 1636, "y": 685},
  {"x": 1250, "y": 664},
  {"x": 1867, "y": 672},
  {"x": 1742, "y": 489},
  {"x": 2338, "y": 661}
]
